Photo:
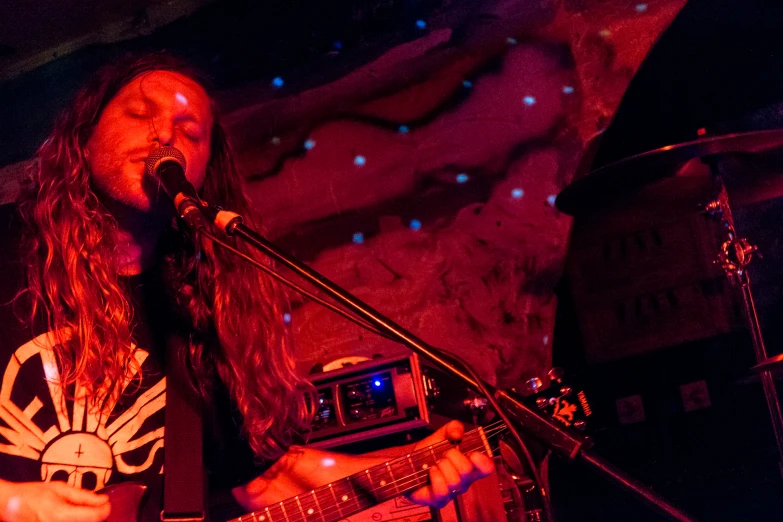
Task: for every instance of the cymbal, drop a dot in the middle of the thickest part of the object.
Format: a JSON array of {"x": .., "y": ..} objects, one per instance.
[
  {"x": 610, "y": 183},
  {"x": 773, "y": 363}
]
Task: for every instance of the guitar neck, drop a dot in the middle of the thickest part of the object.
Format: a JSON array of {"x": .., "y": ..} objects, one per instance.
[{"x": 367, "y": 488}]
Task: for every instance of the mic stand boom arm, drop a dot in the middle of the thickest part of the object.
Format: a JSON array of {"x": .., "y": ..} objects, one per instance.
[{"x": 568, "y": 445}]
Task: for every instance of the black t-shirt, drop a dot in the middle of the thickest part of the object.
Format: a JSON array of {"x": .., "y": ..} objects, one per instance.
[{"x": 45, "y": 437}]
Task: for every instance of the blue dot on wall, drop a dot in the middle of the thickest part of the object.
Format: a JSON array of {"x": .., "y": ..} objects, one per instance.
[
  {"x": 551, "y": 199},
  {"x": 467, "y": 84},
  {"x": 462, "y": 178},
  {"x": 403, "y": 129},
  {"x": 517, "y": 193},
  {"x": 415, "y": 224},
  {"x": 287, "y": 318},
  {"x": 421, "y": 24},
  {"x": 529, "y": 100},
  {"x": 359, "y": 160},
  {"x": 338, "y": 45},
  {"x": 511, "y": 41},
  {"x": 358, "y": 238},
  {"x": 278, "y": 82},
  {"x": 568, "y": 89},
  {"x": 309, "y": 144},
  {"x": 640, "y": 8}
]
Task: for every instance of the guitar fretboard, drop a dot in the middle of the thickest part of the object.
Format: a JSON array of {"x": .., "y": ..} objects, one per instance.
[{"x": 367, "y": 488}]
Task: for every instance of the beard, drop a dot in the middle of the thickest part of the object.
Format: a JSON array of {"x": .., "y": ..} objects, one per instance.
[
  {"x": 135, "y": 204},
  {"x": 125, "y": 186}
]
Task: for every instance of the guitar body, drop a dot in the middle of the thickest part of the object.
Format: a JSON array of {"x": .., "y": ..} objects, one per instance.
[{"x": 126, "y": 501}]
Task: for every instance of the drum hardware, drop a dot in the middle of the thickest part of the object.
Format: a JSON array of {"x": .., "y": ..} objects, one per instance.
[
  {"x": 609, "y": 184},
  {"x": 735, "y": 256}
]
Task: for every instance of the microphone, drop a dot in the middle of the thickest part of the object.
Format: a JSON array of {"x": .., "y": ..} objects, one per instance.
[{"x": 167, "y": 165}]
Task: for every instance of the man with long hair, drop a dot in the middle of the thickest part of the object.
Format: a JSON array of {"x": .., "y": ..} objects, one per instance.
[{"x": 104, "y": 274}]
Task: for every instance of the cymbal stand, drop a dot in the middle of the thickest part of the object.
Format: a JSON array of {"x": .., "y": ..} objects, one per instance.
[{"x": 735, "y": 255}]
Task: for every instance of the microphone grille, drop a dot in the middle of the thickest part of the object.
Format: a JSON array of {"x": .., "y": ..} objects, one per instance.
[{"x": 160, "y": 155}]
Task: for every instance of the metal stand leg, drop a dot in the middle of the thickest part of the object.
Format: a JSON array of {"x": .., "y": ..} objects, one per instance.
[
  {"x": 735, "y": 256},
  {"x": 767, "y": 381}
]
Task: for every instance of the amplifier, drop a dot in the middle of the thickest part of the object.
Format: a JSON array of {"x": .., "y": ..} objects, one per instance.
[{"x": 370, "y": 399}]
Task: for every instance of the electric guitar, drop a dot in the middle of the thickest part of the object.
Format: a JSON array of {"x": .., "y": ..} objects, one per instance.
[
  {"x": 340, "y": 499},
  {"x": 375, "y": 485}
]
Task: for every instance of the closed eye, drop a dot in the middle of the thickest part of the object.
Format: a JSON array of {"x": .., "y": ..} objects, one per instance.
[{"x": 137, "y": 114}]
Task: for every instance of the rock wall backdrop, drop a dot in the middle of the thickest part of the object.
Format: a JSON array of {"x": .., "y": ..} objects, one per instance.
[{"x": 423, "y": 178}]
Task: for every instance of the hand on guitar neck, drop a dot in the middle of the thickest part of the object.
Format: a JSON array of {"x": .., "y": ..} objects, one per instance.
[
  {"x": 324, "y": 483},
  {"x": 455, "y": 472}
]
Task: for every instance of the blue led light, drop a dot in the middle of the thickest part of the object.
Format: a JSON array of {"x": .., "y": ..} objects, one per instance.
[
  {"x": 358, "y": 238},
  {"x": 415, "y": 224},
  {"x": 278, "y": 82},
  {"x": 529, "y": 100},
  {"x": 421, "y": 24},
  {"x": 511, "y": 41},
  {"x": 321, "y": 400},
  {"x": 359, "y": 160},
  {"x": 309, "y": 144},
  {"x": 287, "y": 318},
  {"x": 403, "y": 129},
  {"x": 640, "y": 8},
  {"x": 462, "y": 178},
  {"x": 517, "y": 193},
  {"x": 467, "y": 84},
  {"x": 377, "y": 383},
  {"x": 568, "y": 89},
  {"x": 551, "y": 199},
  {"x": 338, "y": 45}
]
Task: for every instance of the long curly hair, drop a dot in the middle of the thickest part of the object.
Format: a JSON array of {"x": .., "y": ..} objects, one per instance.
[{"x": 73, "y": 283}]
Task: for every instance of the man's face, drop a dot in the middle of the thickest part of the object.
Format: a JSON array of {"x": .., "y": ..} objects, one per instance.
[{"x": 159, "y": 108}]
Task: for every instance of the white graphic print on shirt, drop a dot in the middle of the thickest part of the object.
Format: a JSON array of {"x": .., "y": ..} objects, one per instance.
[{"x": 85, "y": 443}]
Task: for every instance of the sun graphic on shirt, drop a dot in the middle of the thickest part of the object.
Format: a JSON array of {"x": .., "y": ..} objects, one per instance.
[{"x": 84, "y": 446}]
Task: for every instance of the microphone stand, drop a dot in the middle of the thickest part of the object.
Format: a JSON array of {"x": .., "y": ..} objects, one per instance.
[{"x": 565, "y": 443}]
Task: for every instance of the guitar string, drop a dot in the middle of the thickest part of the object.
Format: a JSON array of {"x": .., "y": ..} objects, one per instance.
[
  {"x": 308, "y": 503},
  {"x": 397, "y": 486},
  {"x": 393, "y": 487}
]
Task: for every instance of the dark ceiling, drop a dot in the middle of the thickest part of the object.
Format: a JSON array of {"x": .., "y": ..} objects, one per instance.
[
  {"x": 34, "y": 32},
  {"x": 235, "y": 42}
]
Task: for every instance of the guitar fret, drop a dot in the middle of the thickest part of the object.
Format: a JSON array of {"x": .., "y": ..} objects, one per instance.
[
  {"x": 372, "y": 485},
  {"x": 355, "y": 495},
  {"x": 285, "y": 515},
  {"x": 318, "y": 506},
  {"x": 391, "y": 475},
  {"x": 382, "y": 478},
  {"x": 337, "y": 502}
]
